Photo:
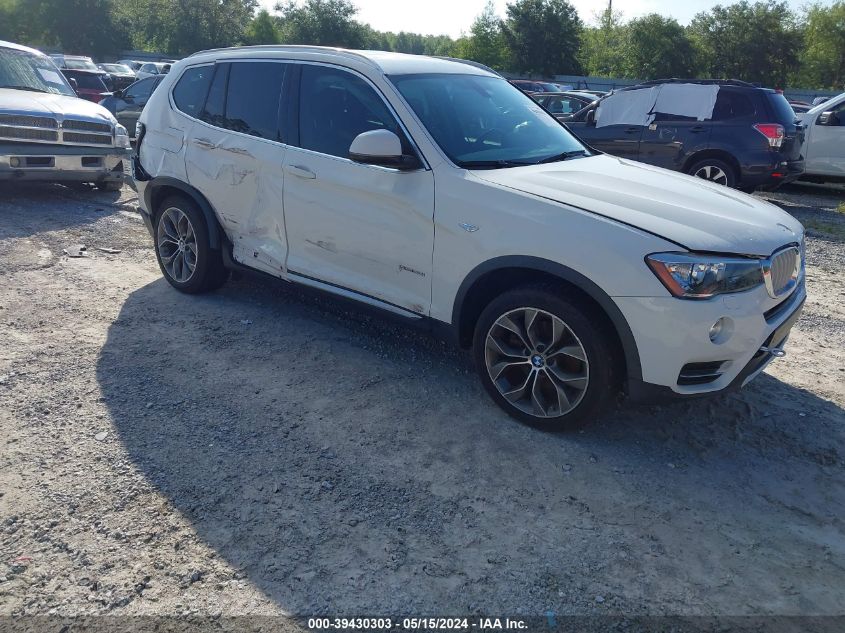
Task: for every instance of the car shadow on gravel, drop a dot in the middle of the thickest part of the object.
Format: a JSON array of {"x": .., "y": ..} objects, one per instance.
[
  {"x": 347, "y": 466},
  {"x": 30, "y": 208}
]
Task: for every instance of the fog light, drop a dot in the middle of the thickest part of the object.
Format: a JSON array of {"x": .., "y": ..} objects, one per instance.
[
  {"x": 716, "y": 329},
  {"x": 14, "y": 161}
]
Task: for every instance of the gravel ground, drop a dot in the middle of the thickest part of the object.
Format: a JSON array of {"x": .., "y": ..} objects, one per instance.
[{"x": 262, "y": 451}]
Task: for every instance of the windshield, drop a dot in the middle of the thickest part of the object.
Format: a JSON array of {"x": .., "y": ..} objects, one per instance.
[
  {"x": 117, "y": 69},
  {"x": 79, "y": 64},
  {"x": 24, "y": 71},
  {"x": 484, "y": 122}
]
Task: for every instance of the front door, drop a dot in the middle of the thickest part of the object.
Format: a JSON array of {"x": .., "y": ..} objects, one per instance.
[
  {"x": 360, "y": 227},
  {"x": 235, "y": 156},
  {"x": 826, "y": 146}
]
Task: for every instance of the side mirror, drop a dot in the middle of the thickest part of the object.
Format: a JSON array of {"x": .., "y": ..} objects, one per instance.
[{"x": 381, "y": 147}]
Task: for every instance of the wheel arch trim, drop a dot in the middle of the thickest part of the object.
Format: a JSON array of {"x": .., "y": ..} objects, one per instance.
[
  {"x": 564, "y": 273},
  {"x": 194, "y": 194}
]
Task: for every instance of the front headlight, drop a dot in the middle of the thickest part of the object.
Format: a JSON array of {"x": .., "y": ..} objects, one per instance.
[
  {"x": 121, "y": 136},
  {"x": 691, "y": 276}
]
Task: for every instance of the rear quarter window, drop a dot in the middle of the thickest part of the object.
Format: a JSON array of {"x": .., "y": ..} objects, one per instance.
[
  {"x": 732, "y": 104},
  {"x": 191, "y": 89},
  {"x": 781, "y": 109}
]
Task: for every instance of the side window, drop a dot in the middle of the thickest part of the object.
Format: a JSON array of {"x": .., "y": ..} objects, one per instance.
[
  {"x": 836, "y": 118},
  {"x": 140, "y": 90},
  {"x": 191, "y": 89},
  {"x": 147, "y": 68},
  {"x": 253, "y": 97},
  {"x": 215, "y": 104},
  {"x": 732, "y": 105},
  {"x": 335, "y": 107}
]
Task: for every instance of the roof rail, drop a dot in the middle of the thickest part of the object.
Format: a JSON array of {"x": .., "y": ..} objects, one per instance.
[
  {"x": 718, "y": 82},
  {"x": 469, "y": 62},
  {"x": 292, "y": 48}
]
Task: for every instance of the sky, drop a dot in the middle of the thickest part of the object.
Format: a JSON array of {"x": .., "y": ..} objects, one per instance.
[{"x": 451, "y": 17}]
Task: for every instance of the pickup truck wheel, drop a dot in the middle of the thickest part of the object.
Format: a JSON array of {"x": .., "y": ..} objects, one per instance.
[
  {"x": 182, "y": 248},
  {"x": 544, "y": 359},
  {"x": 714, "y": 170}
]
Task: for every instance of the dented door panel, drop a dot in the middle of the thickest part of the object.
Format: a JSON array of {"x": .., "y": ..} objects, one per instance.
[
  {"x": 366, "y": 228},
  {"x": 243, "y": 179}
]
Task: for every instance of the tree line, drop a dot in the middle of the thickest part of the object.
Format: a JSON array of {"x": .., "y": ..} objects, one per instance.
[{"x": 763, "y": 42}]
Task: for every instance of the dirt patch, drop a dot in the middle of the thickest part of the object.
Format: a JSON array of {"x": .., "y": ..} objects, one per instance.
[{"x": 260, "y": 451}]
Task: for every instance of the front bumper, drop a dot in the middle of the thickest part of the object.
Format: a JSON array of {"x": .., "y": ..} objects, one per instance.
[
  {"x": 61, "y": 163},
  {"x": 673, "y": 333}
]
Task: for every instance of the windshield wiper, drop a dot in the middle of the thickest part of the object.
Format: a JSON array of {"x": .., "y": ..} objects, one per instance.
[
  {"x": 563, "y": 156},
  {"x": 491, "y": 164},
  {"x": 29, "y": 88}
]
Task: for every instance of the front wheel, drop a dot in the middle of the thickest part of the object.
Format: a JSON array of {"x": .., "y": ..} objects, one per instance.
[{"x": 544, "y": 359}]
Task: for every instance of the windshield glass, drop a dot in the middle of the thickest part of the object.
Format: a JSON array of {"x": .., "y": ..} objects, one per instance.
[
  {"x": 484, "y": 122},
  {"x": 24, "y": 71},
  {"x": 79, "y": 64},
  {"x": 119, "y": 69}
]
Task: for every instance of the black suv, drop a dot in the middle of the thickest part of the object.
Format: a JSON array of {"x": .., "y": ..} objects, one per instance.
[{"x": 726, "y": 131}]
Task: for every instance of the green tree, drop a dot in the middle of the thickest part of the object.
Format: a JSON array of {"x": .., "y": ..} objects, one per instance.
[
  {"x": 601, "y": 46},
  {"x": 182, "y": 27},
  {"x": 262, "y": 29},
  {"x": 485, "y": 42},
  {"x": 543, "y": 36},
  {"x": 88, "y": 27},
  {"x": 756, "y": 42},
  {"x": 322, "y": 23},
  {"x": 654, "y": 47},
  {"x": 823, "y": 55}
]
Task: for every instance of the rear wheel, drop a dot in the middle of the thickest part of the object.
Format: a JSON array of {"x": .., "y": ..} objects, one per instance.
[
  {"x": 714, "y": 170},
  {"x": 544, "y": 359},
  {"x": 183, "y": 249}
]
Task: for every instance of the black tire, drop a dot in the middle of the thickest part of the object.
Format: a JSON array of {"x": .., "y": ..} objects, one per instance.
[
  {"x": 589, "y": 330},
  {"x": 715, "y": 167},
  {"x": 110, "y": 185},
  {"x": 209, "y": 272}
]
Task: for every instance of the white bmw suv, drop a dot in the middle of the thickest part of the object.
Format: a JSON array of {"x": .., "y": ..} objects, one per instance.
[{"x": 438, "y": 192}]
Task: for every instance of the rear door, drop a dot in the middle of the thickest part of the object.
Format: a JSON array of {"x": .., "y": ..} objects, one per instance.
[{"x": 235, "y": 155}]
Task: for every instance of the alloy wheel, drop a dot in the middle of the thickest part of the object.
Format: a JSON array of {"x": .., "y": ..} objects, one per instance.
[
  {"x": 177, "y": 244},
  {"x": 713, "y": 174},
  {"x": 536, "y": 362}
]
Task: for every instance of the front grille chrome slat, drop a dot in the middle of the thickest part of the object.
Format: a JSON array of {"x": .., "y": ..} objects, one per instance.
[
  {"x": 781, "y": 270},
  {"x": 86, "y": 126},
  {"x": 26, "y": 128}
]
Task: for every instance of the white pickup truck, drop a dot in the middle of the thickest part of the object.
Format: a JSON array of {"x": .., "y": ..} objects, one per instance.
[
  {"x": 824, "y": 141},
  {"x": 47, "y": 133}
]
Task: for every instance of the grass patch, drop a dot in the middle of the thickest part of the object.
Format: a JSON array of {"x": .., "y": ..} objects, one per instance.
[
  {"x": 835, "y": 230},
  {"x": 841, "y": 207}
]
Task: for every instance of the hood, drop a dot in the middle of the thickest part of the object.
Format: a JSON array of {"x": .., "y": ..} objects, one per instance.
[
  {"x": 58, "y": 106},
  {"x": 689, "y": 211}
]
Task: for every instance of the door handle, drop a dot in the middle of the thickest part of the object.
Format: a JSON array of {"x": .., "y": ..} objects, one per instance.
[
  {"x": 697, "y": 129},
  {"x": 301, "y": 172},
  {"x": 632, "y": 130},
  {"x": 204, "y": 143}
]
